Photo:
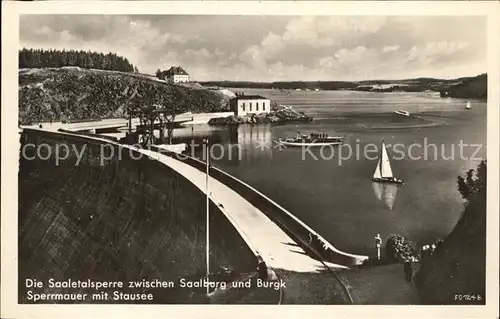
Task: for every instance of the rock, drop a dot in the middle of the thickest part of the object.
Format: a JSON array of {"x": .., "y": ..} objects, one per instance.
[{"x": 280, "y": 116}]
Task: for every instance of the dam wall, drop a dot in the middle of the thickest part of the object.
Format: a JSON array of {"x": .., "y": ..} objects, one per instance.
[{"x": 126, "y": 218}]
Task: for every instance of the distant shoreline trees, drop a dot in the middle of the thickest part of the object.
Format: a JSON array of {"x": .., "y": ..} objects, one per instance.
[
  {"x": 473, "y": 182},
  {"x": 38, "y": 58}
]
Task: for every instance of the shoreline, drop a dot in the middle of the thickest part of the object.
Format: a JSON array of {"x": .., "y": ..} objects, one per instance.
[
  {"x": 366, "y": 120},
  {"x": 354, "y": 120}
]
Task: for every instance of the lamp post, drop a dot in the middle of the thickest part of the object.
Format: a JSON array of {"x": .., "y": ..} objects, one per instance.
[
  {"x": 378, "y": 243},
  {"x": 207, "y": 155}
]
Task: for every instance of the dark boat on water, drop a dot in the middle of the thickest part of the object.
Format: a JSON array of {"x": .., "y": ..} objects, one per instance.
[{"x": 312, "y": 140}]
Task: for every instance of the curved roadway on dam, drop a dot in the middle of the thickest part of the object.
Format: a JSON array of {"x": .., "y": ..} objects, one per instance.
[
  {"x": 276, "y": 248},
  {"x": 283, "y": 242}
]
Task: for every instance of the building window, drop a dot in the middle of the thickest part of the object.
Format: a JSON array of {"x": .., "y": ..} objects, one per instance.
[
  {"x": 250, "y": 106},
  {"x": 243, "y": 106},
  {"x": 257, "y": 107}
]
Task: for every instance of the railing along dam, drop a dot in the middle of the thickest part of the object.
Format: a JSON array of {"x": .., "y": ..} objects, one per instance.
[{"x": 317, "y": 248}]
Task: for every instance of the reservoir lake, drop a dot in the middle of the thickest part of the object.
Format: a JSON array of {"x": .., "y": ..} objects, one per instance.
[{"x": 330, "y": 189}]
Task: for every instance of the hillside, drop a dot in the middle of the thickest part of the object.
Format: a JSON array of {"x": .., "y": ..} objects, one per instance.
[
  {"x": 476, "y": 87},
  {"x": 52, "y": 94},
  {"x": 468, "y": 87},
  {"x": 458, "y": 266},
  {"x": 291, "y": 85}
]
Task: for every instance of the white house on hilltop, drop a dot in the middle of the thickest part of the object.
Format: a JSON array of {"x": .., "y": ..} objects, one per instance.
[
  {"x": 177, "y": 74},
  {"x": 243, "y": 105}
]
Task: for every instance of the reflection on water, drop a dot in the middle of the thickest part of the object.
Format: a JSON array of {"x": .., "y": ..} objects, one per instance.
[
  {"x": 253, "y": 141},
  {"x": 194, "y": 136},
  {"x": 385, "y": 193},
  {"x": 238, "y": 144}
]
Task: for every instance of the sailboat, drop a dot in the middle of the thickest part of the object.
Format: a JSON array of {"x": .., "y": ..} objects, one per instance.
[
  {"x": 383, "y": 171},
  {"x": 468, "y": 106}
]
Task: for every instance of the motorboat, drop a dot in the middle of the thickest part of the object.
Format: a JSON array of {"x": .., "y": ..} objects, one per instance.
[
  {"x": 402, "y": 113},
  {"x": 312, "y": 139}
]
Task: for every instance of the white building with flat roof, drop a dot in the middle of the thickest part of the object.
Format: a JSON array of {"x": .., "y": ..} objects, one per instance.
[{"x": 243, "y": 105}]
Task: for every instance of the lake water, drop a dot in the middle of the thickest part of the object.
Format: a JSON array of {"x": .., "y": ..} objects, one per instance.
[{"x": 334, "y": 194}]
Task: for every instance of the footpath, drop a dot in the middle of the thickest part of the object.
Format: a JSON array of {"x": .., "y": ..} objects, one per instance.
[{"x": 380, "y": 285}]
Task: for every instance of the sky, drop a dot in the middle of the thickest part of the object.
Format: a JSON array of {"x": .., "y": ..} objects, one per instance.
[{"x": 274, "y": 48}]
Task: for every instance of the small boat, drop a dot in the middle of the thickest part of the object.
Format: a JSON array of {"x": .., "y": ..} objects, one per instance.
[
  {"x": 173, "y": 148},
  {"x": 468, "y": 106},
  {"x": 313, "y": 139},
  {"x": 402, "y": 112},
  {"x": 383, "y": 171}
]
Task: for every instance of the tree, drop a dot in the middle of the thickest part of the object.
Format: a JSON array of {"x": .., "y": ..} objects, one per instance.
[
  {"x": 158, "y": 73},
  {"x": 30, "y": 58},
  {"x": 473, "y": 182},
  {"x": 399, "y": 248}
]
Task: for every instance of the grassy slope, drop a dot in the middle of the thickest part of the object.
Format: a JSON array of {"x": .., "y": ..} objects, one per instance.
[
  {"x": 49, "y": 94},
  {"x": 458, "y": 265},
  {"x": 381, "y": 285}
]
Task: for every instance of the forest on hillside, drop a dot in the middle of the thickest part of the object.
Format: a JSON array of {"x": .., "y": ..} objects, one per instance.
[
  {"x": 476, "y": 87},
  {"x": 37, "y": 58}
]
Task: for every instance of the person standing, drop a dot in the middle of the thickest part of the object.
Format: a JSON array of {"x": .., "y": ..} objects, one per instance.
[
  {"x": 378, "y": 244},
  {"x": 408, "y": 270},
  {"x": 414, "y": 268}
]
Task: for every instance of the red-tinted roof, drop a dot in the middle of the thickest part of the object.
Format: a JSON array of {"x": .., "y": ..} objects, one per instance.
[
  {"x": 250, "y": 97},
  {"x": 176, "y": 70}
]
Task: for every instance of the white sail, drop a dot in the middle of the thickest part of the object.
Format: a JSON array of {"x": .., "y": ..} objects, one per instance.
[
  {"x": 468, "y": 105},
  {"x": 377, "y": 170},
  {"x": 385, "y": 165}
]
